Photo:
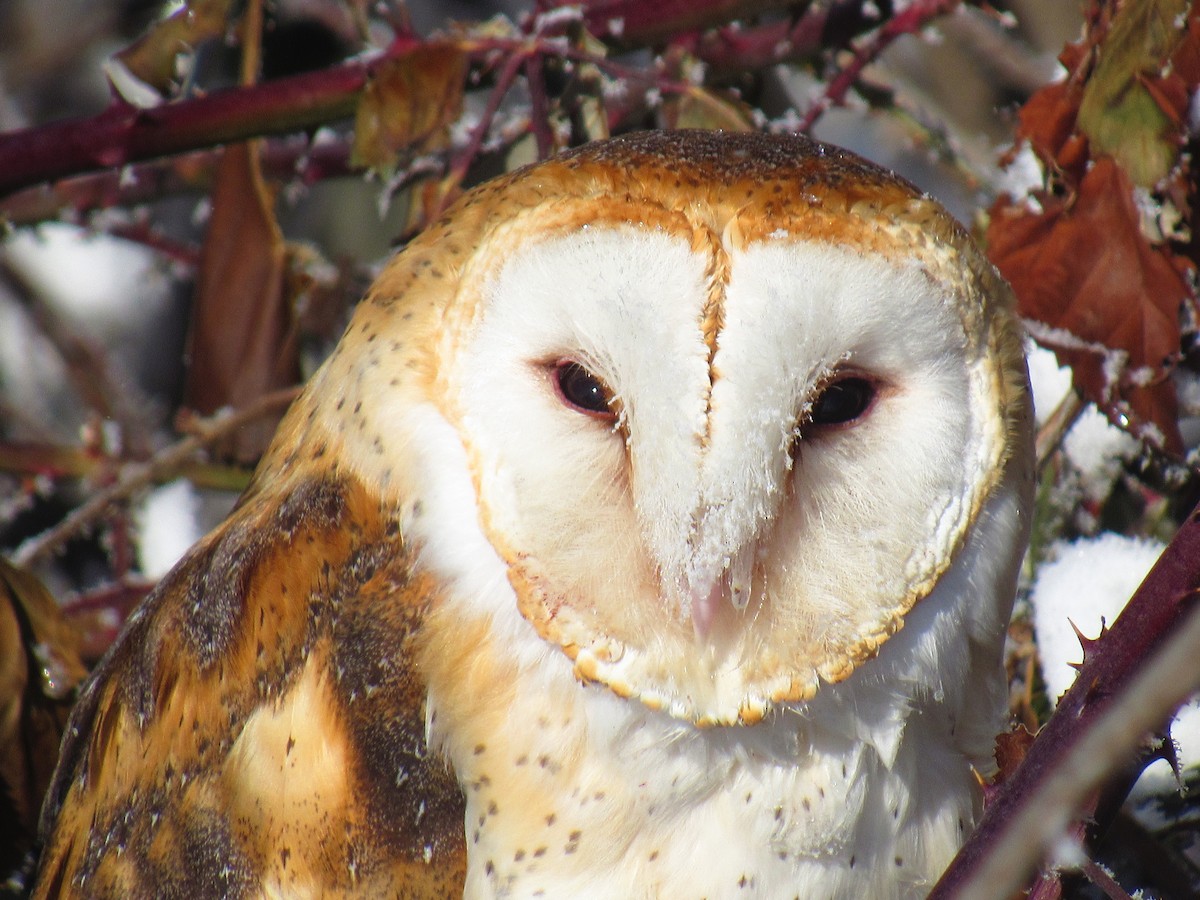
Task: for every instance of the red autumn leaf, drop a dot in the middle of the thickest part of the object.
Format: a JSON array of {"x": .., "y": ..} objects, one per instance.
[
  {"x": 241, "y": 344},
  {"x": 1082, "y": 265},
  {"x": 1048, "y": 122},
  {"x": 1185, "y": 63}
]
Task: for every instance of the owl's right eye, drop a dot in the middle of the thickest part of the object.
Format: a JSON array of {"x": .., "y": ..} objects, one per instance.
[{"x": 582, "y": 390}]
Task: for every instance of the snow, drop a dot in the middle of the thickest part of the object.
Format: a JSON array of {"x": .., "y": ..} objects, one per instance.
[
  {"x": 1085, "y": 582},
  {"x": 113, "y": 294},
  {"x": 1097, "y": 449},
  {"x": 1023, "y": 175},
  {"x": 168, "y": 521},
  {"x": 98, "y": 281},
  {"x": 1049, "y": 380}
]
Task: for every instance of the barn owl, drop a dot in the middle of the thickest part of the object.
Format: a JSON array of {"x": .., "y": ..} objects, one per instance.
[{"x": 651, "y": 532}]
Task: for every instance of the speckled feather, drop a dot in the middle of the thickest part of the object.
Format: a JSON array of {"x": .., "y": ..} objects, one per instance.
[{"x": 260, "y": 725}]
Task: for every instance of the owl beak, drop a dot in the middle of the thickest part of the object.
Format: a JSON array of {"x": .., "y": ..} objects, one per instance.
[
  {"x": 705, "y": 603},
  {"x": 730, "y": 584}
]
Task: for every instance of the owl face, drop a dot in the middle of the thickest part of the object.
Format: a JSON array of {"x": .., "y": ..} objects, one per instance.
[{"x": 729, "y": 409}]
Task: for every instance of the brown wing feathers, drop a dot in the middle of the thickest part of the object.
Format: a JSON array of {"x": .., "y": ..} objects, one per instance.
[{"x": 261, "y": 724}]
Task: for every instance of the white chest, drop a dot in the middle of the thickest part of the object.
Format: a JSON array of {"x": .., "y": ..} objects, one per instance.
[{"x": 601, "y": 798}]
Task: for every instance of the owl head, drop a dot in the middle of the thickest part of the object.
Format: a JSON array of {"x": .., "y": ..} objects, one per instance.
[{"x": 725, "y": 407}]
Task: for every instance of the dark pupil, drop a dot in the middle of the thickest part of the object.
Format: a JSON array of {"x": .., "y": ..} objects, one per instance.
[
  {"x": 843, "y": 401},
  {"x": 583, "y": 389}
]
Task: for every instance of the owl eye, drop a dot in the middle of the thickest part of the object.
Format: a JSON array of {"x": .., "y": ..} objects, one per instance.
[
  {"x": 842, "y": 402},
  {"x": 582, "y": 390}
]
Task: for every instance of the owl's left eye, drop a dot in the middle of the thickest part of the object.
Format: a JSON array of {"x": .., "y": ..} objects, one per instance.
[
  {"x": 842, "y": 402},
  {"x": 582, "y": 390}
]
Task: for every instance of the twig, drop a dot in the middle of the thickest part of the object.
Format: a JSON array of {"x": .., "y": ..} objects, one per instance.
[
  {"x": 539, "y": 106},
  {"x": 291, "y": 157},
  {"x": 1098, "y": 876},
  {"x": 908, "y": 21},
  {"x": 636, "y": 23},
  {"x": 123, "y": 133},
  {"x": 140, "y": 475},
  {"x": 1131, "y": 681},
  {"x": 821, "y": 26},
  {"x": 100, "y": 384},
  {"x": 41, "y": 458},
  {"x": 1050, "y": 436},
  {"x": 462, "y": 159}
]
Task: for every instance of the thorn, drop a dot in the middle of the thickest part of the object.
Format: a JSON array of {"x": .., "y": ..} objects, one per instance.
[
  {"x": 1163, "y": 746},
  {"x": 1087, "y": 643}
]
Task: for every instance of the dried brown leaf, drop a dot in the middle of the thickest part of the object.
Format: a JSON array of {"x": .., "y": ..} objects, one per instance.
[
  {"x": 153, "y": 57},
  {"x": 241, "y": 344},
  {"x": 408, "y": 105},
  {"x": 40, "y": 668},
  {"x": 704, "y": 108},
  {"x": 1011, "y": 747}
]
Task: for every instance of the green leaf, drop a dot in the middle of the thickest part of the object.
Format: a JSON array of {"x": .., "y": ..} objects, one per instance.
[{"x": 1119, "y": 114}]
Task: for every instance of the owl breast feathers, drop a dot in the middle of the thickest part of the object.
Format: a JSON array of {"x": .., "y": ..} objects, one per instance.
[{"x": 651, "y": 532}]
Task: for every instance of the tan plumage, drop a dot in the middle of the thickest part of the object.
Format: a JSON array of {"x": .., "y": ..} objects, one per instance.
[
  {"x": 260, "y": 722},
  {"x": 463, "y": 634}
]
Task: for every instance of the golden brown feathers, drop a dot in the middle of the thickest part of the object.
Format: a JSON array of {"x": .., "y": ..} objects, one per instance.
[{"x": 260, "y": 725}]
